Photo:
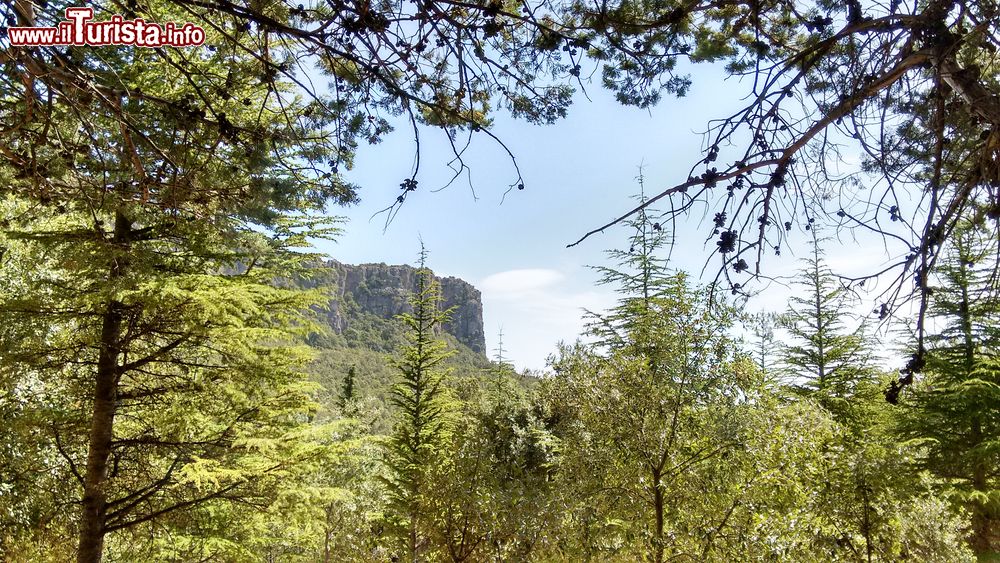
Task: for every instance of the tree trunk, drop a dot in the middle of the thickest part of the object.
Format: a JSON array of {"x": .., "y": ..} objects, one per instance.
[
  {"x": 982, "y": 523},
  {"x": 658, "y": 507},
  {"x": 92, "y": 519},
  {"x": 866, "y": 522},
  {"x": 326, "y": 535},
  {"x": 414, "y": 539}
]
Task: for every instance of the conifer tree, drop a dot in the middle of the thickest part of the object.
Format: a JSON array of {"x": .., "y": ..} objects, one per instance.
[
  {"x": 491, "y": 495},
  {"x": 765, "y": 342},
  {"x": 831, "y": 363},
  {"x": 826, "y": 359},
  {"x": 194, "y": 349},
  {"x": 423, "y": 417},
  {"x": 954, "y": 411},
  {"x": 662, "y": 355},
  {"x": 503, "y": 372},
  {"x": 149, "y": 206},
  {"x": 347, "y": 390}
]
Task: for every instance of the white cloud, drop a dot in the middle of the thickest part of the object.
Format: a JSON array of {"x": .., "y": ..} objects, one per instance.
[
  {"x": 536, "y": 308},
  {"x": 515, "y": 282}
]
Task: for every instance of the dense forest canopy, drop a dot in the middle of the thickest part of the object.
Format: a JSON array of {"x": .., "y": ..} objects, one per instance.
[{"x": 157, "y": 211}]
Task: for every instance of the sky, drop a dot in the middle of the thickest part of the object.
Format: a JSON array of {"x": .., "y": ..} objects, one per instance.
[{"x": 578, "y": 173}]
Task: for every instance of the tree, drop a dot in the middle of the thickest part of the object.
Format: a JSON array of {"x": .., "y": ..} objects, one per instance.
[
  {"x": 910, "y": 88},
  {"x": 952, "y": 411},
  {"x": 136, "y": 193},
  {"x": 652, "y": 398},
  {"x": 493, "y": 497},
  {"x": 440, "y": 66},
  {"x": 424, "y": 415},
  {"x": 828, "y": 74},
  {"x": 831, "y": 363},
  {"x": 140, "y": 185},
  {"x": 139, "y": 208},
  {"x": 764, "y": 341},
  {"x": 827, "y": 360},
  {"x": 347, "y": 390},
  {"x": 824, "y": 76},
  {"x": 804, "y": 487},
  {"x": 167, "y": 387},
  {"x": 160, "y": 152}
]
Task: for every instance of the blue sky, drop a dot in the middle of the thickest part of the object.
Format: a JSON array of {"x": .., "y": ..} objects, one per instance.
[{"x": 578, "y": 174}]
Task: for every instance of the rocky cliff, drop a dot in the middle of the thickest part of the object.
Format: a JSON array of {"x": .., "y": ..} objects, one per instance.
[{"x": 383, "y": 291}]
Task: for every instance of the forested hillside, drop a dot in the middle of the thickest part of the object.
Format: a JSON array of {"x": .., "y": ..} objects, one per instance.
[
  {"x": 362, "y": 330},
  {"x": 362, "y": 296}
]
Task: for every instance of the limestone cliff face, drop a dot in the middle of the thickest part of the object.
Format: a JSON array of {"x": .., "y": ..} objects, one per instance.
[{"x": 384, "y": 291}]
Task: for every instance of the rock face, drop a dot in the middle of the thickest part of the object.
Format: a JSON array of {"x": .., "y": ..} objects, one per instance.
[{"x": 384, "y": 291}]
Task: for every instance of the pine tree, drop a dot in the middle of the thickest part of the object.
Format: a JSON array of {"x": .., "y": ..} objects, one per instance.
[
  {"x": 827, "y": 360},
  {"x": 347, "y": 389},
  {"x": 662, "y": 355},
  {"x": 166, "y": 388},
  {"x": 765, "y": 342},
  {"x": 831, "y": 363},
  {"x": 424, "y": 411},
  {"x": 954, "y": 411}
]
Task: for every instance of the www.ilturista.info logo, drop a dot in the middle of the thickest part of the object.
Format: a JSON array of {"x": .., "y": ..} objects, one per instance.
[{"x": 78, "y": 29}]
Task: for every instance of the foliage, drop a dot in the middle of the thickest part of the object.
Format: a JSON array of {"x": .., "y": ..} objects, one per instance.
[
  {"x": 207, "y": 399},
  {"x": 424, "y": 419},
  {"x": 827, "y": 360},
  {"x": 951, "y": 413},
  {"x": 150, "y": 199},
  {"x": 156, "y": 204},
  {"x": 909, "y": 87},
  {"x": 825, "y": 77},
  {"x": 653, "y": 401},
  {"x": 492, "y": 498},
  {"x": 832, "y": 365}
]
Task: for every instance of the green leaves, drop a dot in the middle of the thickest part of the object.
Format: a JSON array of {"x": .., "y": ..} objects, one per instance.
[{"x": 651, "y": 404}]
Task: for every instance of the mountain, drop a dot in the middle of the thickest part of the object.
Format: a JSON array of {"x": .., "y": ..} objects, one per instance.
[
  {"x": 383, "y": 291},
  {"x": 365, "y": 333}
]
